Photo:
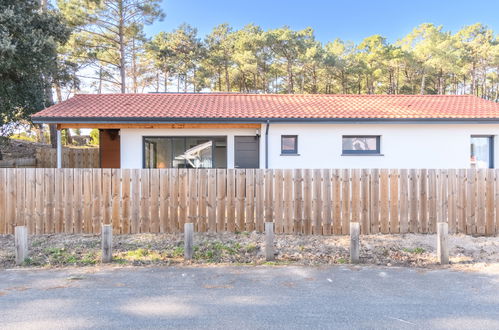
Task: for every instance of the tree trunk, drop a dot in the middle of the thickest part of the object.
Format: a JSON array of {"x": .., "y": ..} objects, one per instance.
[
  {"x": 69, "y": 138},
  {"x": 290, "y": 78},
  {"x": 166, "y": 82},
  {"x": 423, "y": 81},
  {"x": 99, "y": 90},
  {"x": 227, "y": 78},
  {"x": 121, "y": 33},
  {"x": 134, "y": 67}
]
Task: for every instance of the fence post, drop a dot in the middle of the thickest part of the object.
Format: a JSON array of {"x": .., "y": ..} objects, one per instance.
[
  {"x": 107, "y": 243},
  {"x": 354, "y": 242},
  {"x": 269, "y": 241},
  {"x": 442, "y": 244},
  {"x": 188, "y": 240},
  {"x": 21, "y": 244}
]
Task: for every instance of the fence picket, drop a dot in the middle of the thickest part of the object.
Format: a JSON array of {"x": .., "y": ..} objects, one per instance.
[
  {"x": 212, "y": 200},
  {"x": 202, "y": 200},
  {"x": 240, "y": 199},
  {"x": 309, "y": 201},
  {"x": 231, "y": 200},
  {"x": 423, "y": 201},
  {"x": 77, "y": 205},
  {"x": 345, "y": 201},
  {"x": 221, "y": 200},
  {"x": 375, "y": 195},
  {"x": 394, "y": 202},
  {"x": 250, "y": 200},
  {"x": 384, "y": 206},
  {"x": 336, "y": 183},
  {"x": 115, "y": 199},
  {"x": 135, "y": 201},
  {"x": 490, "y": 194},
  {"x": 278, "y": 201},
  {"x": 327, "y": 210},
  {"x": 317, "y": 203},
  {"x": 88, "y": 225},
  {"x": 154, "y": 200},
  {"x": 404, "y": 201},
  {"x": 480, "y": 213},
  {"x": 126, "y": 203},
  {"x": 365, "y": 223},
  {"x": 164, "y": 198}
]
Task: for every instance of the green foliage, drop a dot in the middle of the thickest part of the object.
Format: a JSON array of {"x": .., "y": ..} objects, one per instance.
[
  {"x": 427, "y": 61},
  {"x": 109, "y": 38},
  {"x": 94, "y": 137},
  {"x": 24, "y": 136},
  {"x": 417, "y": 250},
  {"x": 29, "y": 39}
]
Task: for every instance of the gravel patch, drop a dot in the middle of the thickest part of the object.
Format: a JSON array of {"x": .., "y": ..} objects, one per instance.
[{"x": 408, "y": 250}]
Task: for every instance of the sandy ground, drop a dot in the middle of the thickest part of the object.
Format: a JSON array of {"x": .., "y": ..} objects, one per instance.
[{"x": 409, "y": 250}]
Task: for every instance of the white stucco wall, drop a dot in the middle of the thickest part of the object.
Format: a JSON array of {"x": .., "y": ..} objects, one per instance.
[
  {"x": 402, "y": 145},
  {"x": 320, "y": 145}
]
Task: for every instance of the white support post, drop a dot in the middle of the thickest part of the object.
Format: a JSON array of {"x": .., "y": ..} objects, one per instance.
[
  {"x": 188, "y": 240},
  {"x": 442, "y": 244},
  {"x": 269, "y": 241},
  {"x": 354, "y": 242},
  {"x": 59, "y": 149},
  {"x": 21, "y": 244}
]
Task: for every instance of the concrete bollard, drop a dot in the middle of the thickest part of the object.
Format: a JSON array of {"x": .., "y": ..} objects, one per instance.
[
  {"x": 107, "y": 243},
  {"x": 269, "y": 241},
  {"x": 354, "y": 242},
  {"x": 188, "y": 241},
  {"x": 442, "y": 244},
  {"x": 21, "y": 244}
]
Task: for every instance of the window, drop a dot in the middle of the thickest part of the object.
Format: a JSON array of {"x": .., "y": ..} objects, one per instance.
[
  {"x": 185, "y": 152},
  {"x": 289, "y": 144},
  {"x": 361, "y": 145},
  {"x": 482, "y": 151}
]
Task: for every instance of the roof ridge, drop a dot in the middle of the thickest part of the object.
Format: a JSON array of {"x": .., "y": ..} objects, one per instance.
[{"x": 281, "y": 95}]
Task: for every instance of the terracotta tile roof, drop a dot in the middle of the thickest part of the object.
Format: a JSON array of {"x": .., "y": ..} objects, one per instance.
[{"x": 157, "y": 107}]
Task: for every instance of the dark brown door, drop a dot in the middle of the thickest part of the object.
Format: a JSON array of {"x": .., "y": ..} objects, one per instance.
[
  {"x": 109, "y": 144},
  {"x": 247, "y": 152}
]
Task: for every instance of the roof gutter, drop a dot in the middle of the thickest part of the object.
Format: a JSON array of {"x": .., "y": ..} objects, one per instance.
[{"x": 152, "y": 120}]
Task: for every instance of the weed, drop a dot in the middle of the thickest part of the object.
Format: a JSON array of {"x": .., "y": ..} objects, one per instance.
[
  {"x": 137, "y": 254},
  {"x": 120, "y": 261},
  {"x": 178, "y": 251},
  {"x": 251, "y": 247},
  {"x": 342, "y": 261},
  {"x": 89, "y": 259},
  {"x": 417, "y": 250}
]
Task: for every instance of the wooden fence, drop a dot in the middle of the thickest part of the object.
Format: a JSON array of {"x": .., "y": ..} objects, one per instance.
[
  {"x": 71, "y": 157},
  {"x": 297, "y": 201}
]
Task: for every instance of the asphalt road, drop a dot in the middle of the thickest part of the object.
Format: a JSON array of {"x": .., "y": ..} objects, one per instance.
[{"x": 248, "y": 298}]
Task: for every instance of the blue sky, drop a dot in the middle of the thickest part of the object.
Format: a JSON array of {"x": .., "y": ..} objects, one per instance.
[{"x": 349, "y": 19}]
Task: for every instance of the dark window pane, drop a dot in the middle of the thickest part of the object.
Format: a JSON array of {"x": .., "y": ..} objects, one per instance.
[
  {"x": 199, "y": 153},
  {"x": 185, "y": 152},
  {"x": 178, "y": 145},
  {"x": 361, "y": 144},
  {"x": 481, "y": 151},
  {"x": 289, "y": 144},
  {"x": 157, "y": 152},
  {"x": 220, "y": 152}
]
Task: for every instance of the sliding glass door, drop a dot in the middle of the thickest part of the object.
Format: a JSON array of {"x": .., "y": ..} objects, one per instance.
[{"x": 185, "y": 152}]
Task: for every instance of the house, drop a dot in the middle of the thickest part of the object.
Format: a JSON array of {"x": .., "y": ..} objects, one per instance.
[{"x": 285, "y": 131}]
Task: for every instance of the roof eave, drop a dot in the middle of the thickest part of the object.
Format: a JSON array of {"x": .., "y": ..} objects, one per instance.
[{"x": 153, "y": 120}]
